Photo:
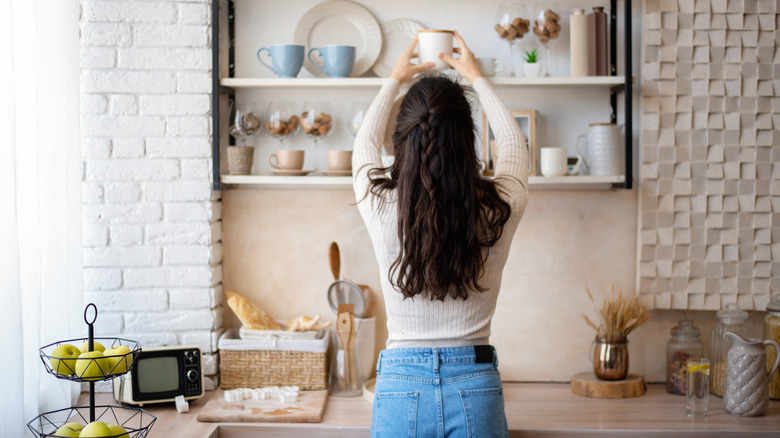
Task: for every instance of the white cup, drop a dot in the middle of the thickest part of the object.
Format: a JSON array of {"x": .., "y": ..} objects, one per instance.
[
  {"x": 490, "y": 66},
  {"x": 554, "y": 162},
  {"x": 432, "y": 42}
]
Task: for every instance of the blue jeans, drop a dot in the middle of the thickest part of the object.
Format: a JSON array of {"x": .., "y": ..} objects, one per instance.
[{"x": 438, "y": 392}]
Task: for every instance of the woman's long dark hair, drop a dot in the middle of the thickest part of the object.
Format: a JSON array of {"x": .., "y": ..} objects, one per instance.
[{"x": 447, "y": 212}]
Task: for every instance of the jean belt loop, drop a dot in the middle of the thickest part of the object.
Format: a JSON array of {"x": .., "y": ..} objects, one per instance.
[
  {"x": 435, "y": 360},
  {"x": 379, "y": 363},
  {"x": 495, "y": 357}
]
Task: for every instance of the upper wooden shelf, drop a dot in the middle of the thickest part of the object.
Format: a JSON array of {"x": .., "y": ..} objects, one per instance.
[{"x": 588, "y": 81}]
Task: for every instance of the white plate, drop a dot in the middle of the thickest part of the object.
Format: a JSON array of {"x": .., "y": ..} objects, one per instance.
[
  {"x": 340, "y": 22},
  {"x": 396, "y": 35}
]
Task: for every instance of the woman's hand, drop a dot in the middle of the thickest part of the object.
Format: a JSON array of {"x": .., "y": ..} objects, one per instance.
[
  {"x": 466, "y": 65},
  {"x": 404, "y": 70}
]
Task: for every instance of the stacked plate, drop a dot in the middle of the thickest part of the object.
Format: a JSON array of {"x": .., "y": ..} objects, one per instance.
[{"x": 345, "y": 23}]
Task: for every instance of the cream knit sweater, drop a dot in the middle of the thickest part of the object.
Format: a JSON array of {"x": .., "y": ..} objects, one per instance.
[{"x": 420, "y": 321}]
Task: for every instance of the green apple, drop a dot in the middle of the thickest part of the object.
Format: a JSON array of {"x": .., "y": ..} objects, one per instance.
[
  {"x": 98, "y": 346},
  {"x": 118, "y": 431},
  {"x": 91, "y": 365},
  {"x": 118, "y": 359},
  {"x": 70, "y": 430},
  {"x": 95, "y": 429},
  {"x": 63, "y": 359}
]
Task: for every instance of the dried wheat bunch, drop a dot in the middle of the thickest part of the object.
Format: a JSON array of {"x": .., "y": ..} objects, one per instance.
[{"x": 618, "y": 316}]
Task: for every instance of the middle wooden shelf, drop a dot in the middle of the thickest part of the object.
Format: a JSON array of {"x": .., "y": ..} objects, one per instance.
[{"x": 584, "y": 182}]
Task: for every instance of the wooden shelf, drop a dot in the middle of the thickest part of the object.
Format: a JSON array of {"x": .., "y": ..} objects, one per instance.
[
  {"x": 589, "y": 81},
  {"x": 585, "y": 182},
  {"x": 289, "y": 182},
  {"x": 345, "y": 182}
]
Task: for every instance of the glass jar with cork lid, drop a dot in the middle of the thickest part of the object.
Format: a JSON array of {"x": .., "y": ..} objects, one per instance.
[
  {"x": 730, "y": 319},
  {"x": 685, "y": 344},
  {"x": 772, "y": 333}
]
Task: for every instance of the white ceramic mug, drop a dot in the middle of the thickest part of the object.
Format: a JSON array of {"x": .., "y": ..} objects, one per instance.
[
  {"x": 554, "y": 162},
  {"x": 432, "y": 42},
  {"x": 490, "y": 66}
]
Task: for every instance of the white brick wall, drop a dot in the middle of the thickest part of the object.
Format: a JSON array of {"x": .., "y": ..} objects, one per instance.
[{"x": 152, "y": 226}]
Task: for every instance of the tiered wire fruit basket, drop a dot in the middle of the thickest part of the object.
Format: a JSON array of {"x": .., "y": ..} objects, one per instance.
[{"x": 61, "y": 359}]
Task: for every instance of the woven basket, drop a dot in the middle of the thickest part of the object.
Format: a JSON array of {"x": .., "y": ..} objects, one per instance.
[
  {"x": 240, "y": 159},
  {"x": 259, "y": 368},
  {"x": 260, "y": 363}
]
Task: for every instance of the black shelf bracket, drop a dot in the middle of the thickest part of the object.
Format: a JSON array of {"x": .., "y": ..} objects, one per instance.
[
  {"x": 218, "y": 89},
  {"x": 628, "y": 95},
  {"x": 627, "y": 87},
  {"x": 215, "y": 96}
]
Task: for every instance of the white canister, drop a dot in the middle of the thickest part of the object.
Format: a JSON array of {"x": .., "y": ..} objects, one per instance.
[
  {"x": 603, "y": 154},
  {"x": 432, "y": 42}
]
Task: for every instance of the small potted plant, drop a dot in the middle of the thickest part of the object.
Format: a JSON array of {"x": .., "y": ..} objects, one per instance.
[
  {"x": 618, "y": 316},
  {"x": 532, "y": 66}
]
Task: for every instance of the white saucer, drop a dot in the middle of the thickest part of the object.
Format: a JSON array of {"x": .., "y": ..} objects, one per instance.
[
  {"x": 336, "y": 172},
  {"x": 281, "y": 172}
]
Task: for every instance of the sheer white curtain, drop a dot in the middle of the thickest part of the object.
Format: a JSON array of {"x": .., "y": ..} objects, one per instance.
[{"x": 40, "y": 203}]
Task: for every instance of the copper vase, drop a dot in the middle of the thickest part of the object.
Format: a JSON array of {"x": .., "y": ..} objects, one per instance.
[{"x": 610, "y": 359}]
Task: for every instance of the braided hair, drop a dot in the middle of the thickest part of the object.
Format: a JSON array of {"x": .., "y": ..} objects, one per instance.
[{"x": 447, "y": 212}]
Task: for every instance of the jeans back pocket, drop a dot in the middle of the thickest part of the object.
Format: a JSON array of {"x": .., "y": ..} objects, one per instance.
[
  {"x": 484, "y": 409},
  {"x": 395, "y": 415}
]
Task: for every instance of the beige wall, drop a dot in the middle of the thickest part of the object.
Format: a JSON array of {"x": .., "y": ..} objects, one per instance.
[
  {"x": 275, "y": 251},
  {"x": 275, "y": 241}
]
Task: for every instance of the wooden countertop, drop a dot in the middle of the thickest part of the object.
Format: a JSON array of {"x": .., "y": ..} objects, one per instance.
[{"x": 533, "y": 409}]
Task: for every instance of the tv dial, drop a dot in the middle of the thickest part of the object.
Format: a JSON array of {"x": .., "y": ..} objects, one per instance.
[
  {"x": 192, "y": 375},
  {"x": 191, "y": 356}
]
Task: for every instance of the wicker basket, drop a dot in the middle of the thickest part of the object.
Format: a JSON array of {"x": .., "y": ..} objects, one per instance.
[
  {"x": 283, "y": 362},
  {"x": 240, "y": 159}
]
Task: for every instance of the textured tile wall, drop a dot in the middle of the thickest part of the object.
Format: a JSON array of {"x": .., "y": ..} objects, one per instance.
[{"x": 710, "y": 191}]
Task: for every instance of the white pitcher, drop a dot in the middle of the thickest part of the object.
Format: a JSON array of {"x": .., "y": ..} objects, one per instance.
[
  {"x": 746, "y": 391},
  {"x": 603, "y": 154}
]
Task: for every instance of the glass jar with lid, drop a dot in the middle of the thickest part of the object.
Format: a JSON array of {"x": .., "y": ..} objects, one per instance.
[
  {"x": 684, "y": 344},
  {"x": 730, "y": 319},
  {"x": 772, "y": 332}
]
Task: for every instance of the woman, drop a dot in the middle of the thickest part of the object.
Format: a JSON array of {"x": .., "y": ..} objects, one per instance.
[{"x": 441, "y": 234}]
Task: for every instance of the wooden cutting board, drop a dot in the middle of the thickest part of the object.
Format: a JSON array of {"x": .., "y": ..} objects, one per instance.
[
  {"x": 308, "y": 409},
  {"x": 588, "y": 385}
]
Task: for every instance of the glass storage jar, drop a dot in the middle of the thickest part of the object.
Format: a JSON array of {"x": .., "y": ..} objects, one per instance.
[
  {"x": 731, "y": 319},
  {"x": 685, "y": 344},
  {"x": 772, "y": 332}
]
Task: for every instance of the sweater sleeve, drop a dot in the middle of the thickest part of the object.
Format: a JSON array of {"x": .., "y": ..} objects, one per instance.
[
  {"x": 512, "y": 162},
  {"x": 367, "y": 149}
]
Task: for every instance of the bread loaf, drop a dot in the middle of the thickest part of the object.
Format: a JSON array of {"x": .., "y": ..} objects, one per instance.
[{"x": 250, "y": 315}]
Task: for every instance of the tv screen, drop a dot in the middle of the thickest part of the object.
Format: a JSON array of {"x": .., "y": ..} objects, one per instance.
[{"x": 158, "y": 374}]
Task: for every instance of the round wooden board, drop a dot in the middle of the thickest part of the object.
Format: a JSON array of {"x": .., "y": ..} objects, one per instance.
[{"x": 588, "y": 385}]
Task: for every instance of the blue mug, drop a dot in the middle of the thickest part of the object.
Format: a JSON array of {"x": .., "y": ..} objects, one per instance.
[
  {"x": 287, "y": 59},
  {"x": 337, "y": 61}
]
